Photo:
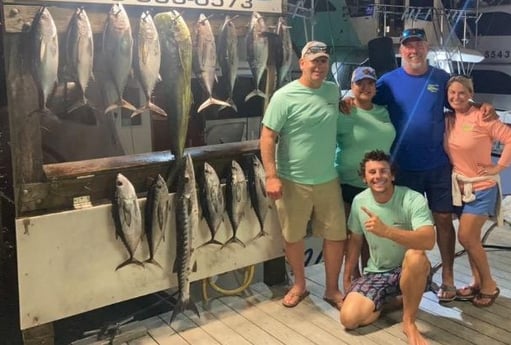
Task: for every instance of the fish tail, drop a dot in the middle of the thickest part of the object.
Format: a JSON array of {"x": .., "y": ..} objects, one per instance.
[
  {"x": 211, "y": 241},
  {"x": 181, "y": 306},
  {"x": 79, "y": 104},
  {"x": 127, "y": 105},
  {"x": 212, "y": 101},
  {"x": 231, "y": 103},
  {"x": 154, "y": 262},
  {"x": 235, "y": 240},
  {"x": 128, "y": 262},
  {"x": 156, "y": 109},
  {"x": 151, "y": 107},
  {"x": 261, "y": 233},
  {"x": 254, "y": 93}
]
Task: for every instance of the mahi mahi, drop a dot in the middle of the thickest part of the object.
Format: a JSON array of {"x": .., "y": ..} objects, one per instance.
[
  {"x": 204, "y": 60},
  {"x": 127, "y": 218},
  {"x": 80, "y": 52},
  {"x": 236, "y": 195},
  {"x": 157, "y": 210},
  {"x": 257, "y": 52},
  {"x": 228, "y": 58},
  {"x": 118, "y": 54},
  {"x": 176, "y": 73},
  {"x": 147, "y": 59},
  {"x": 187, "y": 222},
  {"x": 45, "y": 55}
]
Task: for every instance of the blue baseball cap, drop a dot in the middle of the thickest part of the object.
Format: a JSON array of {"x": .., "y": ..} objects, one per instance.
[
  {"x": 363, "y": 72},
  {"x": 416, "y": 33}
]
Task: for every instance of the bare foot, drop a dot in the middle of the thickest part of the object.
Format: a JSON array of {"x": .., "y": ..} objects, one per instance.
[{"x": 414, "y": 336}]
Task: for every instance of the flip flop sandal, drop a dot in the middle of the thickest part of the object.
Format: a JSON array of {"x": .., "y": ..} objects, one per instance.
[
  {"x": 337, "y": 305},
  {"x": 467, "y": 293},
  {"x": 296, "y": 298},
  {"x": 483, "y": 300},
  {"x": 446, "y": 293}
]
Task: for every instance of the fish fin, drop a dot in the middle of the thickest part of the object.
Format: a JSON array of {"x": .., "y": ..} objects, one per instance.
[
  {"x": 129, "y": 261},
  {"x": 110, "y": 108},
  {"x": 211, "y": 241},
  {"x": 151, "y": 107},
  {"x": 211, "y": 101},
  {"x": 154, "y": 262},
  {"x": 234, "y": 239},
  {"x": 127, "y": 105},
  {"x": 231, "y": 103},
  {"x": 254, "y": 93},
  {"x": 181, "y": 306}
]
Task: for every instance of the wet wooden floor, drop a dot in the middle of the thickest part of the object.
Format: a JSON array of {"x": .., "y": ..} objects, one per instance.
[{"x": 259, "y": 317}]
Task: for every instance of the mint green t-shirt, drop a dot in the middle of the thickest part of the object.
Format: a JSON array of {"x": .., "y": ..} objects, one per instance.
[
  {"x": 306, "y": 120},
  {"x": 407, "y": 210},
  {"x": 358, "y": 133}
]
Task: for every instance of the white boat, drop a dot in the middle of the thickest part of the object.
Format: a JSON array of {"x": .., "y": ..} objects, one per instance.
[{"x": 491, "y": 35}]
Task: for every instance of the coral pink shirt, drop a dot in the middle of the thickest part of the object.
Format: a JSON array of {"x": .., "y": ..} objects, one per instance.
[{"x": 468, "y": 143}]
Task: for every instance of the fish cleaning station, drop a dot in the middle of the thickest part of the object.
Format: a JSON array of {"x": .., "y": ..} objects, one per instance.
[{"x": 132, "y": 196}]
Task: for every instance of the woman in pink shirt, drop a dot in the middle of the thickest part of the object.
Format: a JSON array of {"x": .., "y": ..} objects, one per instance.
[{"x": 468, "y": 142}]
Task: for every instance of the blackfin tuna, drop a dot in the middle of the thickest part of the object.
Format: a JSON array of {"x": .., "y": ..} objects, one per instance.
[
  {"x": 157, "y": 211},
  {"x": 204, "y": 60},
  {"x": 147, "y": 59},
  {"x": 79, "y": 53},
  {"x": 118, "y": 54},
  {"x": 45, "y": 55},
  {"x": 228, "y": 59},
  {"x": 127, "y": 218},
  {"x": 257, "y": 191},
  {"x": 236, "y": 195},
  {"x": 257, "y": 52},
  {"x": 212, "y": 201}
]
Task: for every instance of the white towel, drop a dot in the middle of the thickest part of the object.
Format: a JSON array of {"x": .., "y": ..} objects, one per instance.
[{"x": 468, "y": 193}]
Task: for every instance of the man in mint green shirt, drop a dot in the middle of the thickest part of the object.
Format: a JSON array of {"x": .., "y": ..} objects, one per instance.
[
  {"x": 300, "y": 177},
  {"x": 398, "y": 227}
]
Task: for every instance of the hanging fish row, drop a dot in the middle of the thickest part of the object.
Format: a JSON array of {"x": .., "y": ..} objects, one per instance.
[
  {"x": 154, "y": 46},
  {"x": 240, "y": 191}
]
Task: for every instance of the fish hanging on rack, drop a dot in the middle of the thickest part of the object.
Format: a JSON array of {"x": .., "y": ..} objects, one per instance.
[
  {"x": 204, "y": 60},
  {"x": 287, "y": 50},
  {"x": 176, "y": 73},
  {"x": 147, "y": 62},
  {"x": 118, "y": 55},
  {"x": 157, "y": 211},
  {"x": 45, "y": 55},
  {"x": 257, "y": 52},
  {"x": 127, "y": 218},
  {"x": 236, "y": 195},
  {"x": 228, "y": 58},
  {"x": 212, "y": 201},
  {"x": 257, "y": 190},
  {"x": 187, "y": 223},
  {"x": 79, "y": 53}
]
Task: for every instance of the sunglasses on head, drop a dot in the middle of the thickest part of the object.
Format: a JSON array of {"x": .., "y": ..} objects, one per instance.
[
  {"x": 317, "y": 49},
  {"x": 419, "y": 33}
]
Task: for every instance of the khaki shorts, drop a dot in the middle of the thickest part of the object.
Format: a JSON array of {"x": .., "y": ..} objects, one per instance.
[{"x": 321, "y": 203}]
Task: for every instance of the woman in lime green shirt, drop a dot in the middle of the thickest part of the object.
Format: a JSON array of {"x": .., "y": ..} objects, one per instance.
[{"x": 366, "y": 128}]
